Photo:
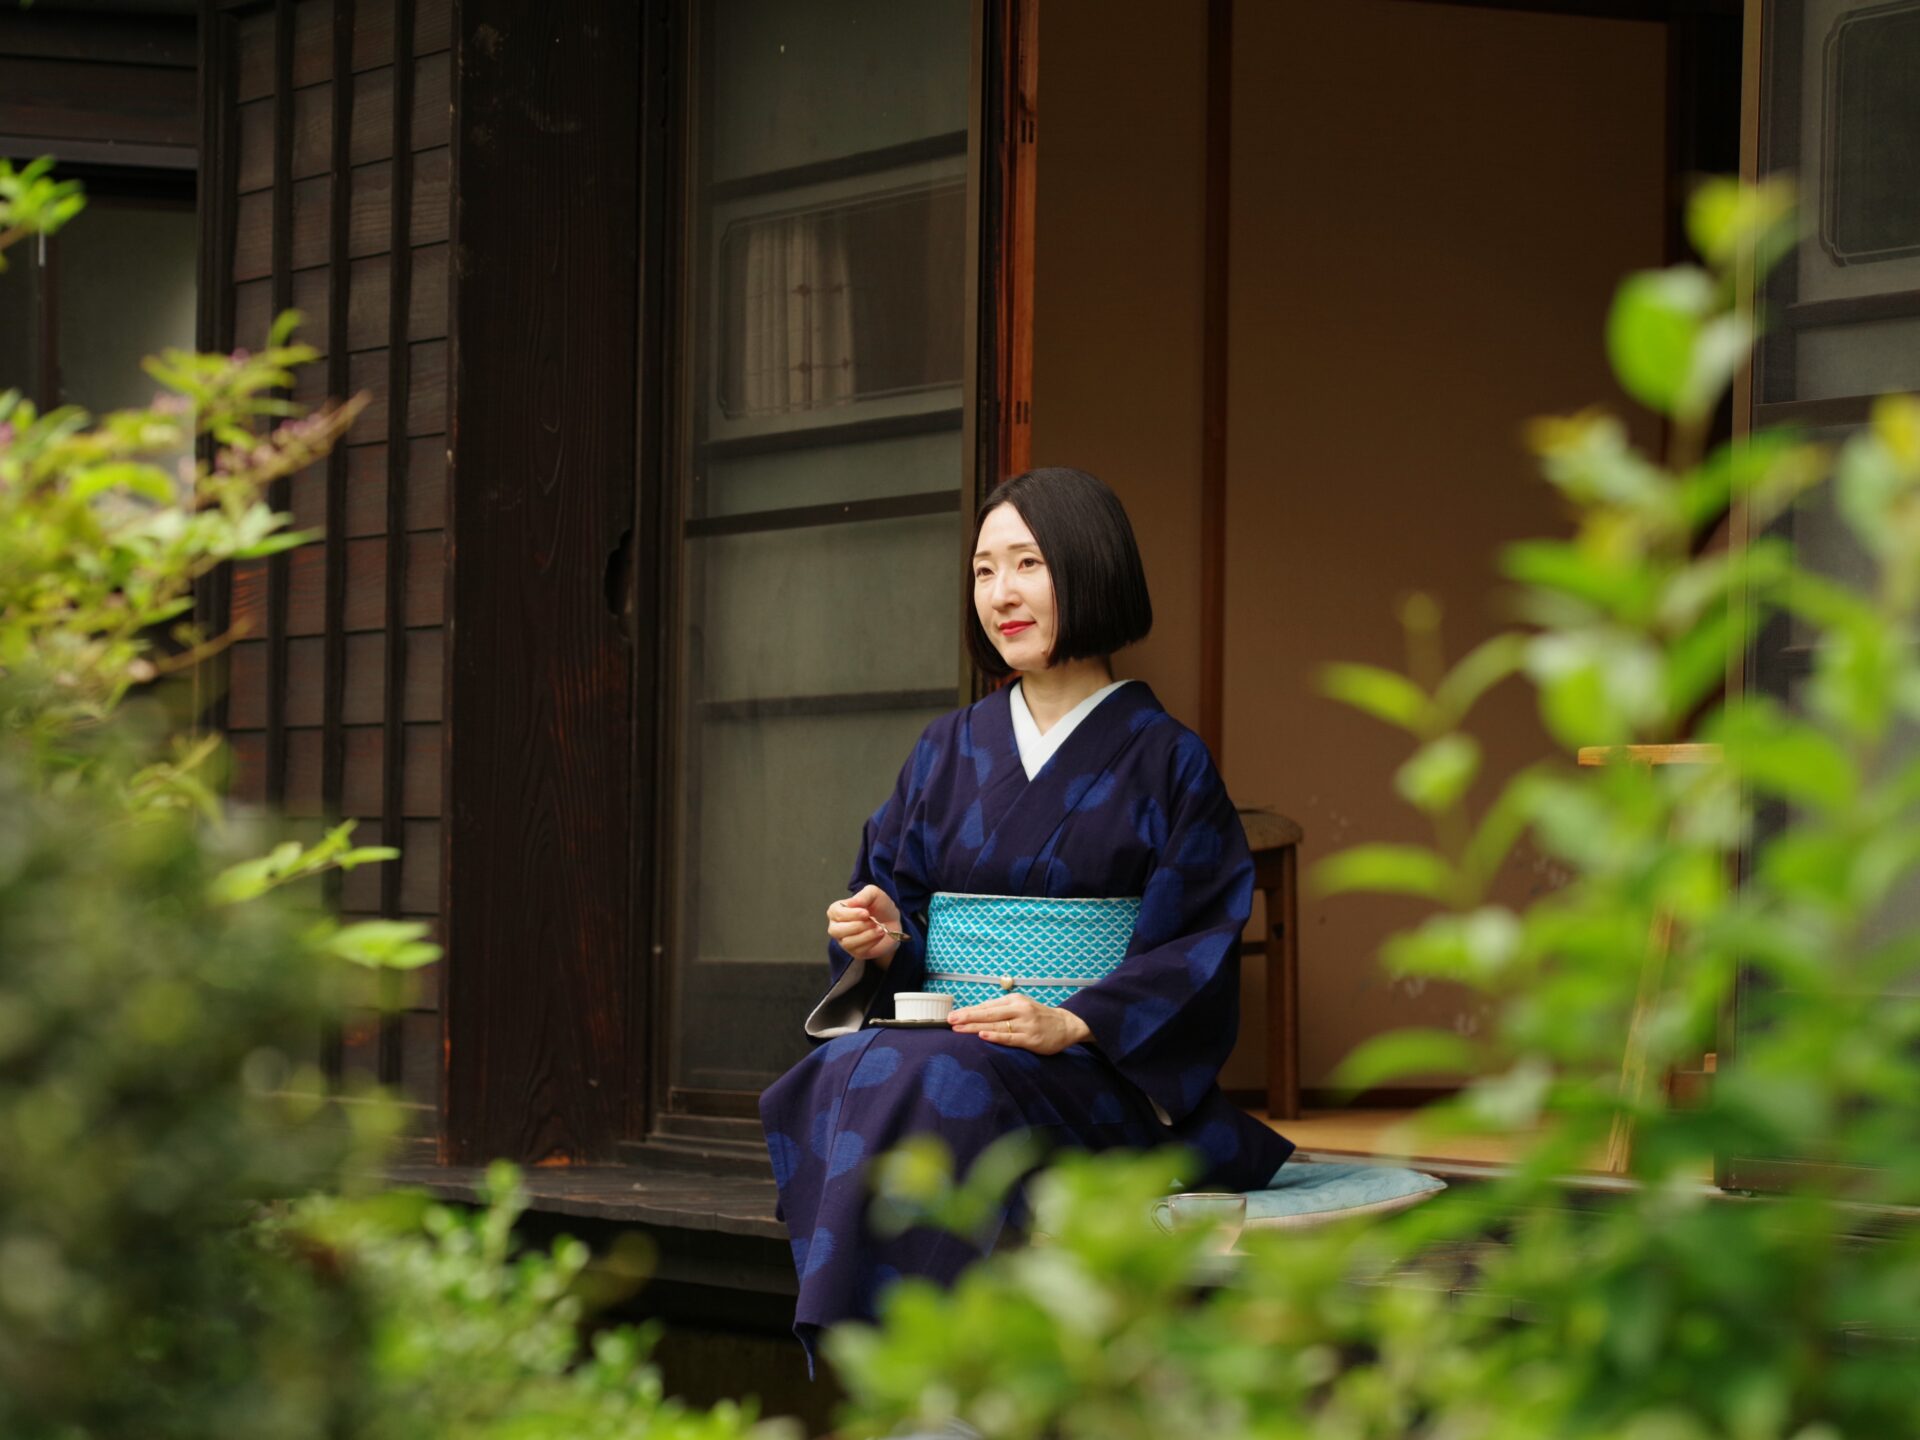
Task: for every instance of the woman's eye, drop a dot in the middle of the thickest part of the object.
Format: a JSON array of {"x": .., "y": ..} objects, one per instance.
[{"x": 1027, "y": 560}]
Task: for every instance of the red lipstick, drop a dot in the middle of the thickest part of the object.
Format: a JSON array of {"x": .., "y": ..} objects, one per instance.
[{"x": 1014, "y": 627}]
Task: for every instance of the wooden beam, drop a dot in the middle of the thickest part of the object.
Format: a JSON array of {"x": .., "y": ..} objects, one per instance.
[
  {"x": 400, "y": 380},
  {"x": 213, "y": 329},
  {"x": 280, "y": 271},
  {"x": 538, "y": 848},
  {"x": 1213, "y": 377},
  {"x": 1018, "y": 152},
  {"x": 333, "y": 735}
]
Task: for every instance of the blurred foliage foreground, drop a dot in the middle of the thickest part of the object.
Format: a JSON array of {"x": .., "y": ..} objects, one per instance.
[
  {"x": 165, "y": 973},
  {"x": 162, "y": 969}
]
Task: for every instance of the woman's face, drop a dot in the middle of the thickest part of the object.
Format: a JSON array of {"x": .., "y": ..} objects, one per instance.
[{"x": 1013, "y": 590}]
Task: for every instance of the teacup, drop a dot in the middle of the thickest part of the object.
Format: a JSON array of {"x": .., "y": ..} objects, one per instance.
[
  {"x": 1223, "y": 1211},
  {"x": 922, "y": 1005}
]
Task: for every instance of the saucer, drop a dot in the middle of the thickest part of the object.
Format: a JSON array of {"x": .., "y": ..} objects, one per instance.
[{"x": 909, "y": 1024}]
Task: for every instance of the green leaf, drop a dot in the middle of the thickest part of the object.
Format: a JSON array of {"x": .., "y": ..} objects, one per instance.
[
  {"x": 1383, "y": 694},
  {"x": 1727, "y": 218},
  {"x": 1438, "y": 773},
  {"x": 1611, "y": 584},
  {"x": 149, "y": 482},
  {"x": 1478, "y": 948},
  {"x": 1651, "y": 332},
  {"x": 1719, "y": 350},
  {"x": 274, "y": 544},
  {"x": 1477, "y": 672},
  {"x": 1787, "y": 757},
  {"x": 1400, "y": 1053},
  {"x": 1388, "y": 869},
  {"x": 284, "y": 324},
  {"x": 384, "y": 944}
]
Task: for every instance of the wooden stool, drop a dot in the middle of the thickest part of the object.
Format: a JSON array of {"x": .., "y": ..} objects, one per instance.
[{"x": 1275, "y": 842}]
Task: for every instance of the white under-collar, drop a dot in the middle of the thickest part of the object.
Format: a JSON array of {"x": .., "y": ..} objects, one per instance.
[{"x": 1036, "y": 749}]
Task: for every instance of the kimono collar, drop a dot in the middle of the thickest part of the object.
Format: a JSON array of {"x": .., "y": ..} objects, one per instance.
[{"x": 1035, "y": 748}]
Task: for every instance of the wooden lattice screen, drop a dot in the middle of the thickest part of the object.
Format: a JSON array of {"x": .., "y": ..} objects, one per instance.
[{"x": 325, "y": 188}]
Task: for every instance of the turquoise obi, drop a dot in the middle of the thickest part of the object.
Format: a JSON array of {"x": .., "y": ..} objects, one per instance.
[{"x": 983, "y": 946}]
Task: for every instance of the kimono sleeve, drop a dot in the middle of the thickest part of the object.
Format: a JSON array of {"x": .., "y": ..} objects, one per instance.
[
  {"x": 883, "y": 860},
  {"x": 1168, "y": 1015}
]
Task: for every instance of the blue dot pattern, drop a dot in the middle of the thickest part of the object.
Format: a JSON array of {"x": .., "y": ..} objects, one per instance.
[
  {"x": 955, "y": 1091},
  {"x": 1031, "y": 938}
]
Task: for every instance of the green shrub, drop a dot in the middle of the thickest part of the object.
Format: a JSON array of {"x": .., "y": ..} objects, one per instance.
[{"x": 162, "y": 971}]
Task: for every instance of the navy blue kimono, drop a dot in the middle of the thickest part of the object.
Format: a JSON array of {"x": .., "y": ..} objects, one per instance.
[{"x": 1129, "y": 805}]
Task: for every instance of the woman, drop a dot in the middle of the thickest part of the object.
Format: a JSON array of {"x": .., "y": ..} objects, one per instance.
[{"x": 1083, "y": 795}]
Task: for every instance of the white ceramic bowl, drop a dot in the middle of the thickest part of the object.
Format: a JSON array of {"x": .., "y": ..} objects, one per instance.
[{"x": 922, "y": 1005}]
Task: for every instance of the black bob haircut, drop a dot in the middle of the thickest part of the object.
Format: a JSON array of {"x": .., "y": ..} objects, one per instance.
[{"x": 1100, "y": 600}]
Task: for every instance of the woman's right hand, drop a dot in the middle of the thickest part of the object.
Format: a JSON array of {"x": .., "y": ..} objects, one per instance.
[{"x": 861, "y": 922}]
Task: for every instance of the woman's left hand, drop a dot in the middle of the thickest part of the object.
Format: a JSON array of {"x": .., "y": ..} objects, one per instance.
[{"x": 1022, "y": 1023}]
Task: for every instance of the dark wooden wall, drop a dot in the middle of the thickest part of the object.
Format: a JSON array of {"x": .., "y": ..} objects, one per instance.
[
  {"x": 98, "y": 89},
  {"x": 325, "y": 187}
]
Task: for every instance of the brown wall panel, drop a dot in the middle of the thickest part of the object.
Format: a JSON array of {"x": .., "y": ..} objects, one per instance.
[
  {"x": 57, "y": 99},
  {"x": 366, "y": 686},
  {"x": 312, "y": 218},
  {"x": 427, "y": 298},
  {"x": 253, "y": 234},
  {"x": 304, "y": 801},
  {"x": 373, "y": 30},
  {"x": 253, "y": 311},
  {"x": 247, "y": 685},
  {"x": 312, "y": 132},
  {"x": 368, "y": 228},
  {"x": 420, "y": 867},
  {"x": 372, "y": 34},
  {"x": 364, "y": 700},
  {"x": 429, "y": 301},
  {"x": 365, "y": 758},
  {"x": 307, "y": 498},
  {"x": 432, "y": 188},
  {"x": 306, "y": 681},
  {"x": 247, "y": 751},
  {"x": 253, "y": 60},
  {"x": 248, "y": 611},
  {"x": 426, "y": 486},
  {"x": 371, "y": 209},
  {"x": 427, "y": 391},
  {"x": 255, "y": 129},
  {"x": 366, "y": 598},
  {"x": 420, "y": 765},
  {"x": 312, "y": 42},
  {"x": 426, "y": 394},
  {"x": 372, "y": 117},
  {"x": 426, "y": 675},
  {"x": 366, "y": 490},
  {"x": 373, "y": 109},
  {"x": 310, "y": 391},
  {"x": 307, "y": 591}
]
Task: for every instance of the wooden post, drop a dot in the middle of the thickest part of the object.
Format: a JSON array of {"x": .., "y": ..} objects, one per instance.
[{"x": 539, "y": 851}]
